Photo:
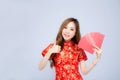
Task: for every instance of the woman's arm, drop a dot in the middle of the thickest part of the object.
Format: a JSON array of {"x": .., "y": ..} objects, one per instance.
[
  {"x": 84, "y": 68},
  {"x": 45, "y": 60},
  {"x": 54, "y": 49}
]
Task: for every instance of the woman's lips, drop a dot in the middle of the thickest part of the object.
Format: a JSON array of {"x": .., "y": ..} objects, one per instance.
[{"x": 66, "y": 35}]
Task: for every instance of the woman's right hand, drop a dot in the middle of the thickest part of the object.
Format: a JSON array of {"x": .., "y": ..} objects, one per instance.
[{"x": 55, "y": 49}]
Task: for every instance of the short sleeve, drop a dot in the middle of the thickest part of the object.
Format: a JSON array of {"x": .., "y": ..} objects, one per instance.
[
  {"x": 47, "y": 49},
  {"x": 82, "y": 55}
]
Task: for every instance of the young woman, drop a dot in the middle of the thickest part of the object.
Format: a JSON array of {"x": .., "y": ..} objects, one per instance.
[{"x": 64, "y": 54}]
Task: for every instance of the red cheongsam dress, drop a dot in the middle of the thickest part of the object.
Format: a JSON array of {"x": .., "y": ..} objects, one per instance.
[{"x": 66, "y": 62}]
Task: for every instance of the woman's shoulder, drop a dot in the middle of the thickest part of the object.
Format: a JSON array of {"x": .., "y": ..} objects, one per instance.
[
  {"x": 47, "y": 48},
  {"x": 51, "y": 44},
  {"x": 78, "y": 48}
]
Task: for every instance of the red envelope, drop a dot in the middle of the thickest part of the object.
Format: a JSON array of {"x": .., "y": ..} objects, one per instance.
[{"x": 88, "y": 41}]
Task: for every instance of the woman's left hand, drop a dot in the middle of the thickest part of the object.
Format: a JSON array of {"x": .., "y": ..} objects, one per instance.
[{"x": 98, "y": 52}]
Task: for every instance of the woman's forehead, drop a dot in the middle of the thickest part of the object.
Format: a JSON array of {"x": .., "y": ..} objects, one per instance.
[{"x": 71, "y": 25}]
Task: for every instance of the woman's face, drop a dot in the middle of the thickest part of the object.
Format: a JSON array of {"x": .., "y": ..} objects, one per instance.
[{"x": 69, "y": 31}]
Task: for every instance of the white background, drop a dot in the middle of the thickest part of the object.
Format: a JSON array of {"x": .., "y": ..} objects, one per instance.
[{"x": 28, "y": 26}]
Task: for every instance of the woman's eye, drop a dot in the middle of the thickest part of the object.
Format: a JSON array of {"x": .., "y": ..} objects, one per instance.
[
  {"x": 65, "y": 27},
  {"x": 72, "y": 29}
]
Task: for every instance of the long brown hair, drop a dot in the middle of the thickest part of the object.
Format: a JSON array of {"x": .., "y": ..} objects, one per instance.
[{"x": 59, "y": 38}]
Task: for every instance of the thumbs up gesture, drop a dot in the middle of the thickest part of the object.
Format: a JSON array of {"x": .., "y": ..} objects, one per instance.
[{"x": 55, "y": 48}]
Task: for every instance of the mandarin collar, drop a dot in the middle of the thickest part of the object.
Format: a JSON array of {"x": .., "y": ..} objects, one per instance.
[{"x": 69, "y": 43}]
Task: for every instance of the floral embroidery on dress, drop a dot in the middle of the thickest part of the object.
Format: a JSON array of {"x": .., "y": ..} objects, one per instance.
[{"x": 66, "y": 62}]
